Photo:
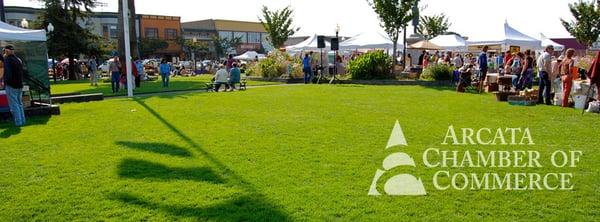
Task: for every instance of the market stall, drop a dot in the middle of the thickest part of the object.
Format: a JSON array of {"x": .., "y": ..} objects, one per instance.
[
  {"x": 546, "y": 42},
  {"x": 369, "y": 40},
  {"x": 30, "y": 47},
  {"x": 249, "y": 56},
  {"x": 308, "y": 44},
  {"x": 452, "y": 42},
  {"x": 506, "y": 38}
]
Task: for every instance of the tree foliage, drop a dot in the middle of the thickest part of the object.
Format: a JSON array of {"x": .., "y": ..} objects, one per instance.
[
  {"x": 393, "y": 15},
  {"x": 68, "y": 38},
  {"x": 278, "y": 25},
  {"x": 586, "y": 27},
  {"x": 432, "y": 26},
  {"x": 149, "y": 46},
  {"x": 223, "y": 45},
  {"x": 190, "y": 46}
]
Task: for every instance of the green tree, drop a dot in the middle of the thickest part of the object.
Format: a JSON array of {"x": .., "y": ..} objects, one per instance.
[
  {"x": 222, "y": 45},
  {"x": 68, "y": 38},
  {"x": 586, "y": 27},
  {"x": 196, "y": 48},
  {"x": 278, "y": 25},
  {"x": 432, "y": 26},
  {"x": 393, "y": 15},
  {"x": 149, "y": 46}
]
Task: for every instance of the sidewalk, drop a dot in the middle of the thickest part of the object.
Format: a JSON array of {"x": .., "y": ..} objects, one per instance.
[{"x": 192, "y": 91}]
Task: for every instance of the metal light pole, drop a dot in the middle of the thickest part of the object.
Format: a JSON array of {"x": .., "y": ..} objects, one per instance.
[
  {"x": 127, "y": 48},
  {"x": 335, "y": 62},
  {"x": 50, "y": 29},
  {"x": 193, "y": 51}
]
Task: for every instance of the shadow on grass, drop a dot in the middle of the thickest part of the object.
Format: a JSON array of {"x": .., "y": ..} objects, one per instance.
[
  {"x": 243, "y": 208},
  {"x": 252, "y": 206},
  {"x": 160, "y": 148},
  {"x": 11, "y": 131},
  {"x": 8, "y": 128},
  {"x": 141, "y": 169}
]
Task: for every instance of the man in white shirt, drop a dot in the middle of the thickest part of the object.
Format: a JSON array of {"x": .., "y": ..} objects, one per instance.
[
  {"x": 545, "y": 68},
  {"x": 221, "y": 77}
]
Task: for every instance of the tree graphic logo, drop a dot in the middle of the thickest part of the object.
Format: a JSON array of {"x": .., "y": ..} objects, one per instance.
[{"x": 402, "y": 184}]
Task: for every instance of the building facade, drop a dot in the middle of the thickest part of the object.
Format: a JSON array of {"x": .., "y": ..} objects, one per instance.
[
  {"x": 252, "y": 34},
  {"x": 167, "y": 28},
  {"x": 106, "y": 25}
]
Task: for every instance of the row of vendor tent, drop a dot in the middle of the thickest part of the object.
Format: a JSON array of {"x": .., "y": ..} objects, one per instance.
[
  {"x": 497, "y": 39},
  {"x": 250, "y": 55}
]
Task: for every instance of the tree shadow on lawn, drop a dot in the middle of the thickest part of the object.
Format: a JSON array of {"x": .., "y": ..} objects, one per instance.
[
  {"x": 160, "y": 148},
  {"x": 242, "y": 208},
  {"x": 251, "y": 206},
  {"x": 141, "y": 169}
]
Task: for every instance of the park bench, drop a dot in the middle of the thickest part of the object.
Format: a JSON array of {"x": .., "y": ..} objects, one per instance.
[{"x": 210, "y": 86}]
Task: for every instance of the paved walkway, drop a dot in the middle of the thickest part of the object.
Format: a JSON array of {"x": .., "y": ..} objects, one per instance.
[{"x": 194, "y": 91}]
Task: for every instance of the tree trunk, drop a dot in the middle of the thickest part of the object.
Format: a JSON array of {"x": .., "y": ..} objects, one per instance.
[
  {"x": 132, "y": 31},
  {"x": 394, "y": 57},
  {"x": 72, "y": 74}
]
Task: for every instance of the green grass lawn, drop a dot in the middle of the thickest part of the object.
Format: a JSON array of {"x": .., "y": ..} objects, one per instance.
[
  {"x": 284, "y": 153},
  {"x": 176, "y": 84}
]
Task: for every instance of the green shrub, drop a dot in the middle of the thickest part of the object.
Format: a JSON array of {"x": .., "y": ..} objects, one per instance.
[
  {"x": 275, "y": 65},
  {"x": 437, "y": 73},
  {"x": 372, "y": 65}
]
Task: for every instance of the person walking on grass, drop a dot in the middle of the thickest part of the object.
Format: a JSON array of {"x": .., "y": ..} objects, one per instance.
[
  {"x": 234, "y": 76},
  {"x": 544, "y": 69},
  {"x": 306, "y": 68},
  {"x": 221, "y": 78},
  {"x": 13, "y": 80},
  {"x": 165, "y": 71},
  {"x": 93, "y": 71},
  {"x": 115, "y": 69}
]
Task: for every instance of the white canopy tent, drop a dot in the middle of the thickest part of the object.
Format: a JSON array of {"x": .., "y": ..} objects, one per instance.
[
  {"x": 249, "y": 55},
  {"x": 13, "y": 33},
  {"x": 369, "y": 40},
  {"x": 504, "y": 38},
  {"x": 451, "y": 42},
  {"x": 308, "y": 44},
  {"x": 546, "y": 42}
]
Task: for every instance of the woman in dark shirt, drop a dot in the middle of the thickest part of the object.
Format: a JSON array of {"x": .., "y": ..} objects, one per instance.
[{"x": 527, "y": 72}]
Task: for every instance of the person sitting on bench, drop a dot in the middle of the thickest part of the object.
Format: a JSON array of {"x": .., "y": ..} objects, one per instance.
[
  {"x": 234, "y": 76},
  {"x": 221, "y": 78}
]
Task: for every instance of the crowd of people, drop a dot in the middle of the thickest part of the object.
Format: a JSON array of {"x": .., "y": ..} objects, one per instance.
[
  {"x": 228, "y": 75},
  {"x": 522, "y": 66}
]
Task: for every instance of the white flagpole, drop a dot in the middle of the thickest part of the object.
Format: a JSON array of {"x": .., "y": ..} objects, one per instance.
[{"x": 127, "y": 48}]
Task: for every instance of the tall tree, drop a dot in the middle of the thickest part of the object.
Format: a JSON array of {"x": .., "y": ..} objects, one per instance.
[
  {"x": 133, "y": 43},
  {"x": 149, "y": 47},
  {"x": 223, "y": 45},
  {"x": 432, "y": 26},
  {"x": 278, "y": 25},
  {"x": 586, "y": 27},
  {"x": 68, "y": 38},
  {"x": 393, "y": 15}
]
